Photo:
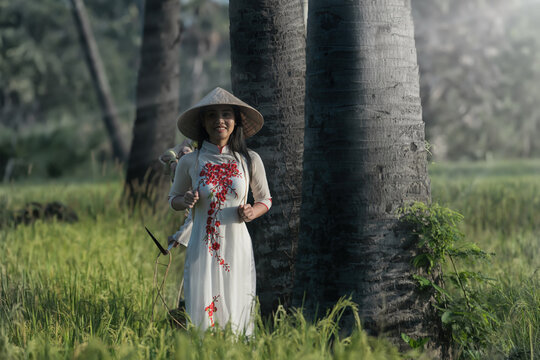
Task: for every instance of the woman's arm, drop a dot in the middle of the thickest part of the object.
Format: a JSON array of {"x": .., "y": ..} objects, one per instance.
[
  {"x": 261, "y": 192},
  {"x": 180, "y": 196}
]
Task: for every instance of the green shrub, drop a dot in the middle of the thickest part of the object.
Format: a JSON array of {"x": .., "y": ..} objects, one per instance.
[{"x": 458, "y": 297}]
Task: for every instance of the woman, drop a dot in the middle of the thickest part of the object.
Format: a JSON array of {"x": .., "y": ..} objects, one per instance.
[{"x": 219, "y": 272}]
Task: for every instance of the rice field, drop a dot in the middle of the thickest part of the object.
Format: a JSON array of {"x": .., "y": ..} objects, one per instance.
[{"x": 84, "y": 290}]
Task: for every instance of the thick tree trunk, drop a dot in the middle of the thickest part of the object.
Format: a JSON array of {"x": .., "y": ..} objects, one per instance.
[
  {"x": 99, "y": 78},
  {"x": 267, "y": 70},
  {"x": 364, "y": 157},
  {"x": 157, "y": 100}
]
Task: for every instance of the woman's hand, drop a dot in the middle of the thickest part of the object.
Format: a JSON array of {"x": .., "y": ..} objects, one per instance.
[
  {"x": 171, "y": 240},
  {"x": 190, "y": 198},
  {"x": 246, "y": 212}
]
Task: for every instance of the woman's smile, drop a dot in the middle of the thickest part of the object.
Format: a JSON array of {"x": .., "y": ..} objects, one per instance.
[
  {"x": 218, "y": 121},
  {"x": 221, "y": 128}
]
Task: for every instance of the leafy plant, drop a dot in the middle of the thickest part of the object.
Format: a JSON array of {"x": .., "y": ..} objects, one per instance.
[
  {"x": 414, "y": 343},
  {"x": 458, "y": 298}
]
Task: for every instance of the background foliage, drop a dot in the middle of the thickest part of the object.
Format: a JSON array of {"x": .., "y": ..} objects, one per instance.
[
  {"x": 47, "y": 99},
  {"x": 479, "y": 70},
  {"x": 478, "y": 60}
]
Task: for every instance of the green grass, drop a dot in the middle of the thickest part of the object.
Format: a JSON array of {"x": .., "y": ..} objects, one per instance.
[
  {"x": 501, "y": 210},
  {"x": 84, "y": 290},
  {"x": 501, "y": 206}
]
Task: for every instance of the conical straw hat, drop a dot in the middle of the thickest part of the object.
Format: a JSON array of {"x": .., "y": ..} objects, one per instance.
[{"x": 188, "y": 121}]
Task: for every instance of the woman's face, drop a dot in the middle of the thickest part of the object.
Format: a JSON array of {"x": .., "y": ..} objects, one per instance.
[{"x": 218, "y": 121}]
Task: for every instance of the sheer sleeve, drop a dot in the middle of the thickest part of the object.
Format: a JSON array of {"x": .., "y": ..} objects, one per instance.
[
  {"x": 258, "y": 182},
  {"x": 182, "y": 177}
]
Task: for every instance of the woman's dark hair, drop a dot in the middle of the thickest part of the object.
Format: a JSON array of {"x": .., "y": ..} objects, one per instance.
[{"x": 237, "y": 140}]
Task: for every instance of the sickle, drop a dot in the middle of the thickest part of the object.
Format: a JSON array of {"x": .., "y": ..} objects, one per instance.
[{"x": 163, "y": 251}]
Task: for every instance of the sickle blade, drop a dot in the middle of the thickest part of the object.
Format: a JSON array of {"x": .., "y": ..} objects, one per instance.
[{"x": 163, "y": 251}]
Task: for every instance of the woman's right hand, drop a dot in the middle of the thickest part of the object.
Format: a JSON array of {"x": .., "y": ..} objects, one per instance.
[{"x": 190, "y": 198}]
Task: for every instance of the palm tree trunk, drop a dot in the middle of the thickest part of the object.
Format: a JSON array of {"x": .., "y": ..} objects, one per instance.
[
  {"x": 99, "y": 78},
  {"x": 364, "y": 157},
  {"x": 267, "y": 71},
  {"x": 157, "y": 100}
]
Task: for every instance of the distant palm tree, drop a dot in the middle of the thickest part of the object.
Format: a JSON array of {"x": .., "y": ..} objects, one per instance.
[
  {"x": 157, "y": 99},
  {"x": 364, "y": 157},
  {"x": 99, "y": 79},
  {"x": 267, "y": 71}
]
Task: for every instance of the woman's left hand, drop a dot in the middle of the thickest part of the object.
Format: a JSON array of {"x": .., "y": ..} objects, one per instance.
[{"x": 246, "y": 212}]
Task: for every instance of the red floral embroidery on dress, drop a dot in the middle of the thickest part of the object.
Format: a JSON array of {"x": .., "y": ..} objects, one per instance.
[
  {"x": 211, "y": 309},
  {"x": 219, "y": 179}
]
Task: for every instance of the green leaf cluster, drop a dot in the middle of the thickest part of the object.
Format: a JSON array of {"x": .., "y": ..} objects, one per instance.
[
  {"x": 436, "y": 230},
  {"x": 414, "y": 343},
  {"x": 459, "y": 299}
]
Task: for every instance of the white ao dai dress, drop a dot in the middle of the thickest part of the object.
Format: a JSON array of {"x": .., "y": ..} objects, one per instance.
[{"x": 219, "y": 271}]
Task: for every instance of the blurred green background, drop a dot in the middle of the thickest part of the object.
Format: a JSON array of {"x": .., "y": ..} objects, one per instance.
[
  {"x": 50, "y": 118},
  {"x": 478, "y": 60}
]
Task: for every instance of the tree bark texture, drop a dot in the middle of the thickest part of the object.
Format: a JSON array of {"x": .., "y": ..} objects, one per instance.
[
  {"x": 268, "y": 72},
  {"x": 364, "y": 157},
  {"x": 99, "y": 78},
  {"x": 157, "y": 100}
]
